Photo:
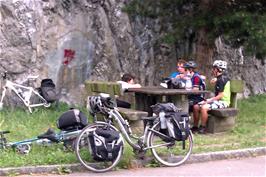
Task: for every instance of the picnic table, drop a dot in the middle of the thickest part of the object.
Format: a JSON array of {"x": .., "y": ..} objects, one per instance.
[{"x": 147, "y": 96}]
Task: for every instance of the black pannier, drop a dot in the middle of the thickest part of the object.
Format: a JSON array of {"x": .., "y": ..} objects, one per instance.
[
  {"x": 105, "y": 144},
  {"x": 180, "y": 122},
  {"x": 72, "y": 119},
  {"x": 48, "y": 90},
  {"x": 173, "y": 123}
]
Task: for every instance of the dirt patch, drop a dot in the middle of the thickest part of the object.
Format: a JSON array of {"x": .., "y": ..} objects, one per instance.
[{"x": 263, "y": 140}]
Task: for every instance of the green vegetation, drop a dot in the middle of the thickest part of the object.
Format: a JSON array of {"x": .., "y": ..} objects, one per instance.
[
  {"x": 240, "y": 22},
  {"x": 249, "y": 132}
]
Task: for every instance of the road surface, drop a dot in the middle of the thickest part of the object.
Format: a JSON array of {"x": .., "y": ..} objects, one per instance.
[{"x": 255, "y": 166}]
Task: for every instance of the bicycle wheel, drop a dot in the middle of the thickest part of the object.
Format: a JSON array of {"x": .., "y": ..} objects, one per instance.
[
  {"x": 170, "y": 153},
  {"x": 84, "y": 151}
]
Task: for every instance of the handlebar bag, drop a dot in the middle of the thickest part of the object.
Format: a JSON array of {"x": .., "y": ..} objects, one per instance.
[{"x": 72, "y": 119}]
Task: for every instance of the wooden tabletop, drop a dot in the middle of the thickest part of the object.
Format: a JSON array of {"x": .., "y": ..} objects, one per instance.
[{"x": 165, "y": 91}]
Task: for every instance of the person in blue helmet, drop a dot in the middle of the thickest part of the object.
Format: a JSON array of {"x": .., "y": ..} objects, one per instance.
[{"x": 197, "y": 83}]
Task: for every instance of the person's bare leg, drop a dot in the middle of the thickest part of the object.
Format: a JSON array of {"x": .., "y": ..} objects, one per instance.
[
  {"x": 204, "y": 119},
  {"x": 196, "y": 110},
  {"x": 204, "y": 115}
]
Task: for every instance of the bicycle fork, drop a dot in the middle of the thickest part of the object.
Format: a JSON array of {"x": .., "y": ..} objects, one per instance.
[{"x": 2, "y": 98}]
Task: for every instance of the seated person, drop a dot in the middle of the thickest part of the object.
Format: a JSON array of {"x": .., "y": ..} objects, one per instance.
[
  {"x": 177, "y": 78},
  {"x": 220, "y": 100},
  {"x": 180, "y": 69},
  {"x": 127, "y": 81},
  {"x": 197, "y": 83}
]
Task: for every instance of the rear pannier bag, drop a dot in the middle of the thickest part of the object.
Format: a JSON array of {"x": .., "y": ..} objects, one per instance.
[
  {"x": 105, "y": 144},
  {"x": 73, "y": 119},
  {"x": 180, "y": 122},
  {"x": 177, "y": 123},
  {"x": 48, "y": 90}
]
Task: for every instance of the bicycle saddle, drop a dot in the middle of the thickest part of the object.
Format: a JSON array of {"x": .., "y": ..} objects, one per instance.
[
  {"x": 50, "y": 135},
  {"x": 32, "y": 77}
]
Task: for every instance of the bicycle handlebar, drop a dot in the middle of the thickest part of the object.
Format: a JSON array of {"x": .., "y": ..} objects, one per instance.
[{"x": 4, "y": 75}]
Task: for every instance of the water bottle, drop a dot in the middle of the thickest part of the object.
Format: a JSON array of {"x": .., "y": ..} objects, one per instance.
[
  {"x": 162, "y": 120},
  {"x": 188, "y": 82}
]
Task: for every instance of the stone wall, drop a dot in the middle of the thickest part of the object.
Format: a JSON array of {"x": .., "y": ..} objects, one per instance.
[{"x": 71, "y": 41}]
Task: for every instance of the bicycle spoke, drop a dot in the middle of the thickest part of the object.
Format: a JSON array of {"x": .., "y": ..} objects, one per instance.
[
  {"x": 86, "y": 155},
  {"x": 170, "y": 152}
]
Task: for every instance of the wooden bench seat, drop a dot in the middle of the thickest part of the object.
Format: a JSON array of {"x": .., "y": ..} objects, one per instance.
[
  {"x": 135, "y": 119},
  {"x": 221, "y": 120},
  {"x": 132, "y": 114},
  {"x": 115, "y": 89}
]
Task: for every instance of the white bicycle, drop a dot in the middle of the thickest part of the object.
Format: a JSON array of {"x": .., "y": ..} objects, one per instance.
[
  {"x": 99, "y": 146},
  {"x": 28, "y": 95}
]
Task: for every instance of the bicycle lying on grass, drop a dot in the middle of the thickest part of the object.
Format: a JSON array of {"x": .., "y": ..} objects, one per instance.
[
  {"x": 24, "y": 146},
  {"x": 70, "y": 124},
  {"x": 28, "y": 95},
  {"x": 100, "y": 145}
]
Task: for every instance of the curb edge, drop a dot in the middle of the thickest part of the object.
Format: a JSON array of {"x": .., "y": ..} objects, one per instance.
[{"x": 194, "y": 158}]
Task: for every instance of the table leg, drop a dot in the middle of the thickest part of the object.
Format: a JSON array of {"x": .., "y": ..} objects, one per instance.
[
  {"x": 144, "y": 102},
  {"x": 180, "y": 101}
]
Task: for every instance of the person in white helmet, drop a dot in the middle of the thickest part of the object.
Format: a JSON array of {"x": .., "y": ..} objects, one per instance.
[{"x": 220, "y": 100}]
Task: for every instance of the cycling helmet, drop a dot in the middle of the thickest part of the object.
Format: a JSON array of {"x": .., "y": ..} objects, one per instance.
[
  {"x": 222, "y": 65},
  {"x": 94, "y": 104},
  {"x": 108, "y": 102},
  {"x": 190, "y": 64},
  {"x": 100, "y": 104}
]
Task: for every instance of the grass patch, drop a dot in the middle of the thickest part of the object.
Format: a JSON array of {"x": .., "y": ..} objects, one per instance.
[{"x": 249, "y": 132}]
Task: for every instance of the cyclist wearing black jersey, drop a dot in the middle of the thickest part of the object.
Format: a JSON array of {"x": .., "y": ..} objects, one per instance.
[{"x": 220, "y": 100}]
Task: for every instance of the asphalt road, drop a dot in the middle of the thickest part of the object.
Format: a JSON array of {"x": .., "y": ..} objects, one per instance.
[{"x": 255, "y": 166}]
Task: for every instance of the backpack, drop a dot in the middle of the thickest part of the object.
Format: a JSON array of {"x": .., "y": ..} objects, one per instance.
[
  {"x": 173, "y": 83},
  {"x": 72, "y": 119},
  {"x": 48, "y": 90},
  {"x": 164, "y": 107},
  {"x": 202, "y": 85},
  {"x": 105, "y": 144},
  {"x": 176, "y": 83}
]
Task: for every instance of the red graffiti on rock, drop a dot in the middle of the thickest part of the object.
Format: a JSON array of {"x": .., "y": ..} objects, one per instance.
[{"x": 69, "y": 55}]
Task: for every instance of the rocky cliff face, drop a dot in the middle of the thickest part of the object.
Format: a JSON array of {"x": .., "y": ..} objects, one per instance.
[{"x": 71, "y": 41}]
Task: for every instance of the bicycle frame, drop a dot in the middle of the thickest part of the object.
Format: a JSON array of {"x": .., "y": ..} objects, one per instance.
[
  {"x": 60, "y": 137},
  {"x": 113, "y": 113},
  {"x": 23, "y": 95}
]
